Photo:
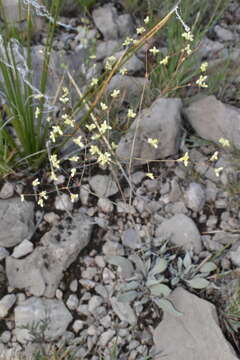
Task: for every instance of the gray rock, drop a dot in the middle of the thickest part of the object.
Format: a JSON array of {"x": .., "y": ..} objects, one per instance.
[
  {"x": 212, "y": 120},
  {"x": 41, "y": 272},
  {"x": 77, "y": 326},
  {"x": 131, "y": 87},
  {"x": 63, "y": 202},
  {"x": 72, "y": 302},
  {"x": 105, "y": 205},
  {"x": 16, "y": 221},
  {"x": 7, "y": 190},
  {"x": 23, "y": 249},
  {"x": 133, "y": 65},
  {"x": 6, "y": 336},
  {"x": 209, "y": 48},
  {"x": 6, "y": 303},
  {"x": 194, "y": 335},
  {"x": 105, "y": 19},
  {"x": 94, "y": 303},
  {"x": 3, "y": 253},
  {"x": 112, "y": 248},
  {"x": 182, "y": 232},
  {"x": 131, "y": 239},
  {"x": 125, "y": 25},
  {"x": 195, "y": 197},
  {"x": 84, "y": 194},
  {"x": 160, "y": 121},
  {"x": 235, "y": 255},
  {"x": 124, "y": 311},
  {"x": 107, "y": 48},
  {"x": 106, "y": 337},
  {"x": 103, "y": 186},
  {"x": 73, "y": 285},
  {"x": 223, "y": 34},
  {"x": 36, "y": 311}
]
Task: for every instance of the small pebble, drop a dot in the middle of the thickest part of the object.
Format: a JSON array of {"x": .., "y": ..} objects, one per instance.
[{"x": 72, "y": 302}]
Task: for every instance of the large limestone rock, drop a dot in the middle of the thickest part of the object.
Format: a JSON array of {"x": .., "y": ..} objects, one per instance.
[
  {"x": 16, "y": 221},
  {"x": 38, "y": 312},
  {"x": 182, "y": 231},
  {"x": 161, "y": 121},
  {"x": 40, "y": 272},
  {"x": 195, "y": 335},
  {"x": 212, "y": 120}
]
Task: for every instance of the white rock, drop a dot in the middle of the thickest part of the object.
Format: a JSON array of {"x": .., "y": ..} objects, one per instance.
[
  {"x": 72, "y": 302},
  {"x": 3, "y": 253},
  {"x": 5, "y": 337},
  {"x": 59, "y": 294},
  {"x": 51, "y": 217},
  {"x": 105, "y": 205},
  {"x": 103, "y": 185},
  {"x": 77, "y": 326},
  {"x": 16, "y": 221},
  {"x": 106, "y": 337},
  {"x": 84, "y": 194},
  {"x": 7, "y": 190},
  {"x": 35, "y": 310},
  {"x": 73, "y": 285},
  {"x": 23, "y": 249},
  {"x": 6, "y": 303},
  {"x": 192, "y": 335},
  {"x": 161, "y": 121},
  {"x": 63, "y": 202},
  {"x": 94, "y": 302}
]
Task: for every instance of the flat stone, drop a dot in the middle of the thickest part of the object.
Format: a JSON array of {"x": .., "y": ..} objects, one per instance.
[
  {"x": 41, "y": 272},
  {"x": 131, "y": 239},
  {"x": 194, "y": 335},
  {"x": 212, "y": 120},
  {"x": 223, "y": 34},
  {"x": 130, "y": 87},
  {"x": 161, "y": 121},
  {"x": 36, "y": 311},
  {"x": 107, "y": 48},
  {"x": 182, "y": 231},
  {"x": 7, "y": 190},
  {"x": 23, "y": 249},
  {"x": 63, "y": 202},
  {"x": 16, "y": 221},
  {"x": 6, "y": 303},
  {"x": 105, "y": 19},
  {"x": 195, "y": 196},
  {"x": 103, "y": 186}
]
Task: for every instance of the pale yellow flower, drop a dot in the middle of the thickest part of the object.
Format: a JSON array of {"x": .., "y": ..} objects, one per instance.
[
  {"x": 127, "y": 41},
  {"x": 140, "y": 30},
  {"x": 104, "y": 127},
  {"x": 188, "y": 36},
  {"x": 94, "y": 149},
  {"x": 204, "y": 66},
  {"x": 37, "y": 112},
  {"x": 224, "y": 142},
  {"x": 184, "y": 159},
  {"x": 54, "y": 161},
  {"x": 74, "y": 158},
  {"x": 154, "y": 51},
  {"x": 94, "y": 82},
  {"x": 131, "y": 114},
  {"x": 104, "y": 158},
  {"x": 35, "y": 182},
  {"x": 103, "y": 106},
  {"x": 164, "y": 61},
  {"x": 187, "y": 49},
  {"x": 153, "y": 142},
  {"x": 73, "y": 172},
  {"x": 214, "y": 156},
  {"x": 53, "y": 176},
  {"x": 91, "y": 127},
  {"x": 40, "y": 202},
  {"x": 115, "y": 93},
  {"x": 150, "y": 175},
  {"x": 64, "y": 98},
  {"x": 22, "y": 197},
  {"x": 73, "y": 197},
  {"x": 218, "y": 170},
  {"x": 78, "y": 141},
  {"x": 201, "y": 81},
  {"x": 146, "y": 20},
  {"x": 123, "y": 71},
  {"x": 43, "y": 195},
  {"x": 109, "y": 63}
]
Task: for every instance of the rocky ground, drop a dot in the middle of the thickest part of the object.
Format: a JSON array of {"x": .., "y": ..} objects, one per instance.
[{"x": 62, "y": 267}]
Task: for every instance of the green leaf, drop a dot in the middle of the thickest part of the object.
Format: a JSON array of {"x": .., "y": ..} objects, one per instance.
[
  {"x": 127, "y": 297},
  {"x": 160, "y": 290},
  {"x": 167, "y": 305},
  {"x": 159, "y": 267},
  {"x": 198, "y": 283},
  {"x": 208, "y": 267},
  {"x": 125, "y": 265}
]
